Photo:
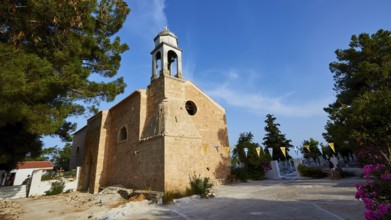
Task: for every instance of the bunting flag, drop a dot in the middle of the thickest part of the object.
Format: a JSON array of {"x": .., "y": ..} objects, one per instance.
[
  {"x": 307, "y": 147},
  {"x": 332, "y": 147},
  {"x": 283, "y": 149},
  {"x": 227, "y": 149},
  {"x": 217, "y": 148},
  {"x": 258, "y": 151},
  {"x": 270, "y": 150},
  {"x": 205, "y": 148}
]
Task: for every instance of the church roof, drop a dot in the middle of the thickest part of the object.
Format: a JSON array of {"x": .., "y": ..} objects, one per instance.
[
  {"x": 166, "y": 32},
  {"x": 35, "y": 164}
]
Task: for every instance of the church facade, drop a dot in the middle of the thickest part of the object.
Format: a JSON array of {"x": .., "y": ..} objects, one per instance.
[{"x": 158, "y": 137}]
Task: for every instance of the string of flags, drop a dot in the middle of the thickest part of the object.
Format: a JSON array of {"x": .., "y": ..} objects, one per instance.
[
  {"x": 283, "y": 149},
  {"x": 227, "y": 149},
  {"x": 216, "y": 147},
  {"x": 332, "y": 147}
]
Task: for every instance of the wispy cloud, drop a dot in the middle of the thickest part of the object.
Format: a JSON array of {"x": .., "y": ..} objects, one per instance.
[
  {"x": 188, "y": 70},
  {"x": 147, "y": 18},
  {"x": 242, "y": 93}
]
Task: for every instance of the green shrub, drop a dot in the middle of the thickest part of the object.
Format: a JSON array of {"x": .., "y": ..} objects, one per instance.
[
  {"x": 46, "y": 177},
  {"x": 256, "y": 174},
  {"x": 169, "y": 196},
  {"x": 56, "y": 188},
  {"x": 200, "y": 186},
  {"x": 71, "y": 173},
  {"x": 244, "y": 174},
  {"x": 241, "y": 174},
  {"x": 314, "y": 172}
]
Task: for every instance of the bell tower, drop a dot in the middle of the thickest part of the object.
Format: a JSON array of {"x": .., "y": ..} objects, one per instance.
[{"x": 166, "y": 57}]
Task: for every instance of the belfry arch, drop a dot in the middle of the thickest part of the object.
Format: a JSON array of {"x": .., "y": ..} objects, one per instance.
[
  {"x": 172, "y": 63},
  {"x": 157, "y": 64},
  {"x": 166, "y": 57}
]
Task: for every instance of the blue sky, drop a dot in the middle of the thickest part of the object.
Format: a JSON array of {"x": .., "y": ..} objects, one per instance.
[{"x": 254, "y": 57}]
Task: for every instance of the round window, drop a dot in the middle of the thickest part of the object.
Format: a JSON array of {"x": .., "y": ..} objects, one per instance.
[{"x": 191, "y": 107}]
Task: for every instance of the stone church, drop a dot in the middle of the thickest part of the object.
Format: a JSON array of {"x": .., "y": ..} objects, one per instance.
[{"x": 158, "y": 137}]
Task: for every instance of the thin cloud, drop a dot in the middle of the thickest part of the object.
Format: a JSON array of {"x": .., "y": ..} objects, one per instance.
[
  {"x": 258, "y": 103},
  {"x": 146, "y": 18},
  {"x": 188, "y": 70}
]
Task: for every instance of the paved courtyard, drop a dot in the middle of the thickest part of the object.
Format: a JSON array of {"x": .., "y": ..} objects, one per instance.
[
  {"x": 268, "y": 199},
  {"x": 271, "y": 199}
]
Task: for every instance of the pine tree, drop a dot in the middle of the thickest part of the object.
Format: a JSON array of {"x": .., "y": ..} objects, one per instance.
[
  {"x": 360, "y": 117},
  {"x": 250, "y": 160},
  {"x": 312, "y": 151},
  {"x": 49, "y": 51},
  {"x": 254, "y": 164},
  {"x": 274, "y": 139}
]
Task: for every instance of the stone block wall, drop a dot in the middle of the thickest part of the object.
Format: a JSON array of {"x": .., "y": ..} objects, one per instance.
[
  {"x": 194, "y": 144},
  {"x": 95, "y": 147},
  {"x": 133, "y": 163},
  {"x": 77, "y": 148},
  {"x": 164, "y": 144},
  {"x": 210, "y": 121},
  {"x": 183, "y": 159},
  {"x": 150, "y": 160}
]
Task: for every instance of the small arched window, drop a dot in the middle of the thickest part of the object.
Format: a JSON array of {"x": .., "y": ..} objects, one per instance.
[
  {"x": 123, "y": 134},
  {"x": 77, "y": 150}
]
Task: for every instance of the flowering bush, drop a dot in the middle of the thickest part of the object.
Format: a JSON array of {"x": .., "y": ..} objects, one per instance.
[
  {"x": 366, "y": 155},
  {"x": 376, "y": 192}
]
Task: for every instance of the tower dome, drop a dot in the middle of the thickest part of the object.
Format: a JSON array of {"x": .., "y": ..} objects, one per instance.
[
  {"x": 166, "y": 57},
  {"x": 166, "y": 36}
]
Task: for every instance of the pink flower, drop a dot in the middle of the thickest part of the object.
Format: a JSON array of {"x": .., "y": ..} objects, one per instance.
[
  {"x": 360, "y": 194},
  {"x": 376, "y": 192},
  {"x": 369, "y": 203},
  {"x": 370, "y": 169},
  {"x": 386, "y": 176},
  {"x": 369, "y": 215},
  {"x": 383, "y": 211}
]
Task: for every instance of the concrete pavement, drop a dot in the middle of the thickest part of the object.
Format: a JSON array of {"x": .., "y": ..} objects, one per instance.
[{"x": 271, "y": 199}]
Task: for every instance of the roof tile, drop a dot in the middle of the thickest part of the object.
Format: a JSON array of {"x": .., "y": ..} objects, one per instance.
[{"x": 34, "y": 164}]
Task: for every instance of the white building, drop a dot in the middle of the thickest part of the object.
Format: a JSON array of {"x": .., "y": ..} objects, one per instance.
[{"x": 25, "y": 169}]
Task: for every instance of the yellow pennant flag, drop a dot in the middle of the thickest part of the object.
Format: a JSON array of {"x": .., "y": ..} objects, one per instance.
[
  {"x": 258, "y": 151},
  {"x": 308, "y": 147},
  {"x": 332, "y": 147},
  {"x": 283, "y": 149},
  {"x": 205, "y": 148},
  {"x": 227, "y": 149}
]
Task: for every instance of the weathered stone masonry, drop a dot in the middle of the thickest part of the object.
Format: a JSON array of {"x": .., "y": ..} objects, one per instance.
[{"x": 157, "y": 137}]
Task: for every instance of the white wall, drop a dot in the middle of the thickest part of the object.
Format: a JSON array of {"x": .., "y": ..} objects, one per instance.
[
  {"x": 274, "y": 172},
  {"x": 3, "y": 177},
  {"x": 21, "y": 175},
  {"x": 39, "y": 187}
]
